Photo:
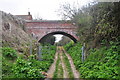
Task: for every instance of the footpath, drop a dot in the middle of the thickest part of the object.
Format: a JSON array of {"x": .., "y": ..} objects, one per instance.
[{"x": 63, "y": 67}]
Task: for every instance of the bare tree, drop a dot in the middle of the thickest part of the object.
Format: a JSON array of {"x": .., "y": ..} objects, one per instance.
[
  {"x": 68, "y": 11},
  {"x": 37, "y": 17}
]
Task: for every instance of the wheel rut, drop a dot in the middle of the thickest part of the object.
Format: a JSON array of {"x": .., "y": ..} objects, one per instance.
[
  {"x": 75, "y": 72},
  {"x": 52, "y": 67},
  {"x": 59, "y": 55},
  {"x": 65, "y": 72}
]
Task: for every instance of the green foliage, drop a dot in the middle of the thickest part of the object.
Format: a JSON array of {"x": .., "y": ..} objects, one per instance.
[
  {"x": 8, "y": 57},
  {"x": 6, "y": 67},
  {"x": 58, "y": 69},
  {"x": 98, "y": 27},
  {"x": 68, "y": 66},
  {"x": 32, "y": 68},
  {"x": 9, "y": 53},
  {"x": 27, "y": 69},
  {"x": 48, "y": 53},
  {"x": 95, "y": 21},
  {"x": 101, "y": 63},
  {"x": 0, "y": 64},
  {"x": 69, "y": 45},
  {"x": 75, "y": 52}
]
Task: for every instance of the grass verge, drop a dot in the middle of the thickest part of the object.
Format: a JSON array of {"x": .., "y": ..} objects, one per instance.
[
  {"x": 58, "y": 70},
  {"x": 68, "y": 67}
]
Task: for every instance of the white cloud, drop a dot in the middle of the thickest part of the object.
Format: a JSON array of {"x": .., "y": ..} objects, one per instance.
[{"x": 45, "y": 8}]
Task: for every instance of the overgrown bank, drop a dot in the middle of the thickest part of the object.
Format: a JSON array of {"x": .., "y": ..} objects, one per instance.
[
  {"x": 20, "y": 51},
  {"x": 99, "y": 31},
  {"x": 18, "y": 66},
  {"x": 101, "y": 63},
  {"x": 13, "y": 32}
]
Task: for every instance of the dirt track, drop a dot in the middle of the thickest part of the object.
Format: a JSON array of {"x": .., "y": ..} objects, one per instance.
[{"x": 59, "y": 53}]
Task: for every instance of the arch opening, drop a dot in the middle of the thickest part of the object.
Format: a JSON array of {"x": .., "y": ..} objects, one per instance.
[{"x": 47, "y": 36}]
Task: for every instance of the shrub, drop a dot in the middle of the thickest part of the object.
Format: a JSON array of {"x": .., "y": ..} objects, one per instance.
[
  {"x": 26, "y": 69},
  {"x": 9, "y": 53},
  {"x": 101, "y": 63}
]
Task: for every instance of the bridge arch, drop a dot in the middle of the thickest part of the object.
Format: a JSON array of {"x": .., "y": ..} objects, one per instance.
[{"x": 59, "y": 32}]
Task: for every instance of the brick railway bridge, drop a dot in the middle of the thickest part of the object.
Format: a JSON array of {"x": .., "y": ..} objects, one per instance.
[{"x": 43, "y": 28}]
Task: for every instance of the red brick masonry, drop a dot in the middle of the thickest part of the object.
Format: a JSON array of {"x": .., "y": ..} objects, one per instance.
[{"x": 41, "y": 28}]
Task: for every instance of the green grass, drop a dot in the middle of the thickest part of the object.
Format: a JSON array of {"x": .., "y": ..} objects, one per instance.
[
  {"x": 68, "y": 67},
  {"x": 75, "y": 52},
  {"x": 58, "y": 70},
  {"x": 0, "y": 64}
]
